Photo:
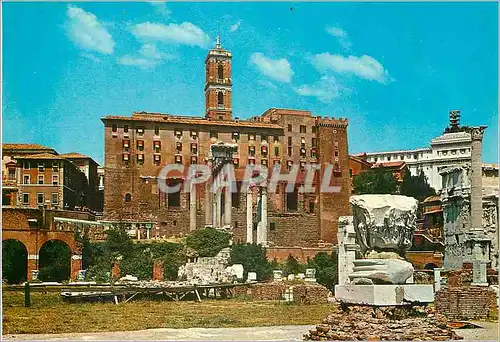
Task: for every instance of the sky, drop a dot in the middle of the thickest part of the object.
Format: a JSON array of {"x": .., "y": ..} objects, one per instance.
[{"x": 393, "y": 69}]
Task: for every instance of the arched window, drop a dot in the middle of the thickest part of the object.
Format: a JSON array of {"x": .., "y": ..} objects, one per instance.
[
  {"x": 220, "y": 98},
  {"x": 220, "y": 71},
  {"x": 128, "y": 197}
]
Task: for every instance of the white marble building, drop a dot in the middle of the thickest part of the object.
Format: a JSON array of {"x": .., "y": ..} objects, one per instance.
[{"x": 445, "y": 150}]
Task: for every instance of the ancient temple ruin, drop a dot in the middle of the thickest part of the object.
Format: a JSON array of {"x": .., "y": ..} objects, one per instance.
[{"x": 470, "y": 215}]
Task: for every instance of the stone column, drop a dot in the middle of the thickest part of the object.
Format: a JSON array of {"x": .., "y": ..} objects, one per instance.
[
  {"x": 249, "y": 216},
  {"x": 263, "y": 215},
  {"x": 476, "y": 178},
  {"x": 218, "y": 199},
  {"x": 192, "y": 208},
  {"x": 227, "y": 206},
  {"x": 208, "y": 204},
  {"x": 214, "y": 209}
]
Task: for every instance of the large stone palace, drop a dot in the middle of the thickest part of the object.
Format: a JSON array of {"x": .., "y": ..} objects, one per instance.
[{"x": 138, "y": 146}]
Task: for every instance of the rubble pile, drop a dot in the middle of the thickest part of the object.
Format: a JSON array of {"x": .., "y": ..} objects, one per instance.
[
  {"x": 310, "y": 294},
  {"x": 423, "y": 278},
  {"x": 268, "y": 291},
  {"x": 389, "y": 323}
]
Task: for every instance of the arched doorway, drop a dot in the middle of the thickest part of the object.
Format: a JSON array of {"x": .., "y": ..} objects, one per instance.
[
  {"x": 430, "y": 266},
  {"x": 54, "y": 261},
  {"x": 14, "y": 261}
]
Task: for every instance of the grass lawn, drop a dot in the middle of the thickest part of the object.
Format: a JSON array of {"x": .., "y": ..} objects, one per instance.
[{"x": 50, "y": 314}]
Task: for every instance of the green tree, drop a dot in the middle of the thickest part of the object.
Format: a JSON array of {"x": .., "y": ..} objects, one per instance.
[
  {"x": 375, "y": 181},
  {"x": 207, "y": 242},
  {"x": 416, "y": 186},
  {"x": 55, "y": 261},
  {"x": 292, "y": 266},
  {"x": 326, "y": 269},
  {"x": 14, "y": 259},
  {"x": 253, "y": 258}
]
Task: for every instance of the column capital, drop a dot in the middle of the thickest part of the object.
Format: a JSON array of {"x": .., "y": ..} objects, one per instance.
[{"x": 477, "y": 132}]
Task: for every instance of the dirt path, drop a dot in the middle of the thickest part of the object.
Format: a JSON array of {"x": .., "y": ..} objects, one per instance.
[
  {"x": 489, "y": 332},
  {"x": 275, "y": 333}
]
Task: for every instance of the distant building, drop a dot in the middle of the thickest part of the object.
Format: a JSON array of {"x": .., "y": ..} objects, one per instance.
[
  {"x": 36, "y": 175},
  {"x": 453, "y": 147},
  {"x": 10, "y": 153},
  {"x": 357, "y": 165},
  {"x": 89, "y": 167},
  {"x": 398, "y": 168}
]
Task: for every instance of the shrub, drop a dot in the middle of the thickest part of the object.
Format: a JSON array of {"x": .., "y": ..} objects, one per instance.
[
  {"x": 253, "y": 258},
  {"x": 292, "y": 266},
  {"x": 207, "y": 242},
  {"x": 326, "y": 269}
]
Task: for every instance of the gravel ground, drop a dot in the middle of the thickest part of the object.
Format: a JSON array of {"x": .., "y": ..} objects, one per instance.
[{"x": 489, "y": 332}]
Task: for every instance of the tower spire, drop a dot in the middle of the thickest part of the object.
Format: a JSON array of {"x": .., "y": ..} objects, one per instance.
[{"x": 217, "y": 41}]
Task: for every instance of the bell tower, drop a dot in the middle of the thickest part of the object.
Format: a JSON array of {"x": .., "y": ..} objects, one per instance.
[{"x": 218, "y": 83}]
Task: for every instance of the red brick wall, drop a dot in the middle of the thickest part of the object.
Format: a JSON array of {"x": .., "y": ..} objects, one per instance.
[
  {"x": 466, "y": 302},
  {"x": 299, "y": 253},
  {"x": 420, "y": 259},
  {"x": 333, "y": 205}
]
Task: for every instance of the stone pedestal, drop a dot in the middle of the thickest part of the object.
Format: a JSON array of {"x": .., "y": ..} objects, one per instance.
[
  {"x": 479, "y": 273},
  {"x": 346, "y": 238},
  {"x": 384, "y": 295},
  {"x": 437, "y": 279}
]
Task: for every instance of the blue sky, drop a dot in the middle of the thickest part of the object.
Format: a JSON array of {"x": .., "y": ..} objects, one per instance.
[{"x": 395, "y": 70}]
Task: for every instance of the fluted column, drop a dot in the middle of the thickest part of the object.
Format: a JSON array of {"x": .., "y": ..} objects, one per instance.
[{"x": 249, "y": 216}]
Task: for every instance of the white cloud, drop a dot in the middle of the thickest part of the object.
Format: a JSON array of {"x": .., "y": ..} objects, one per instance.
[
  {"x": 341, "y": 36},
  {"x": 268, "y": 84},
  {"x": 325, "y": 90},
  {"x": 87, "y": 32},
  {"x": 92, "y": 57},
  {"x": 365, "y": 66},
  {"x": 277, "y": 69},
  {"x": 185, "y": 33},
  {"x": 147, "y": 57},
  {"x": 235, "y": 26},
  {"x": 161, "y": 8}
]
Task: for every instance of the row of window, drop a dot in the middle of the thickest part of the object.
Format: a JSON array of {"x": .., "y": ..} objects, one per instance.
[
  {"x": 302, "y": 129},
  {"x": 213, "y": 134},
  {"x": 41, "y": 166},
  {"x": 453, "y": 152},
  {"x": 40, "y": 199},
  {"x": 40, "y": 180}
]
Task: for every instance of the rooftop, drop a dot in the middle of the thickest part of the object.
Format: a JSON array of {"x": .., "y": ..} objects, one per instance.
[
  {"x": 454, "y": 137},
  {"x": 9, "y": 146},
  {"x": 46, "y": 156},
  {"x": 395, "y": 164},
  {"x": 177, "y": 119}
]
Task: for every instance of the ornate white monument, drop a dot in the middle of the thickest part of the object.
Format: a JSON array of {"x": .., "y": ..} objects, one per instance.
[{"x": 383, "y": 226}]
